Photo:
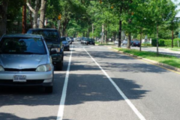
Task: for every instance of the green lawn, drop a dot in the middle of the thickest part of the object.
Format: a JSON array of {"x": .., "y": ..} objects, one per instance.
[
  {"x": 173, "y": 49},
  {"x": 166, "y": 59}
]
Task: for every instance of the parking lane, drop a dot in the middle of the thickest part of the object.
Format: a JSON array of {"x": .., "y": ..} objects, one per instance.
[{"x": 24, "y": 103}]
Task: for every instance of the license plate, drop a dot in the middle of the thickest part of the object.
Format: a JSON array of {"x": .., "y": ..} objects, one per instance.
[{"x": 19, "y": 78}]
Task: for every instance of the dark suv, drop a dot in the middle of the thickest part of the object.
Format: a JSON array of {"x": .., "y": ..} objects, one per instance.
[{"x": 54, "y": 43}]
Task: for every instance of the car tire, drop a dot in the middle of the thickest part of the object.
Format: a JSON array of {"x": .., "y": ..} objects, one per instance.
[
  {"x": 59, "y": 65},
  {"x": 49, "y": 89}
]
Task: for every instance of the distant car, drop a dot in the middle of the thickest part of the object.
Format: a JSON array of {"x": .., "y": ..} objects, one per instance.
[
  {"x": 91, "y": 41},
  {"x": 116, "y": 42},
  {"x": 25, "y": 61},
  {"x": 69, "y": 40},
  {"x": 135, "y": 43},
  {"x": 65, "y": 43},
  {"x": 84, "y": 40},
  {"x": 72, "y": 39},
  {"x": 124, "y": 42},
  {"x": 53, "y": 40}
]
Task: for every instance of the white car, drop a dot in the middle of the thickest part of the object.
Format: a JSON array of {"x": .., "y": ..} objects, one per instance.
[{"x": 124, "y": 42}]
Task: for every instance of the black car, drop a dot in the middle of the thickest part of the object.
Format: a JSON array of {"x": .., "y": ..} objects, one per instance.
[
  {"x": 135, "y": 43},
  {"x": 88, "y": 41},
  {"x": 65, "y": 43},
  {"x": 54, "y": 43},
  {"x": 91, "y": 42}
]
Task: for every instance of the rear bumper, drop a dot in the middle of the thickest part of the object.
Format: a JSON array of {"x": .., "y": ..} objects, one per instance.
[
  {"x": 57, "y": 58},
  {"x": 66, "y": 47}
]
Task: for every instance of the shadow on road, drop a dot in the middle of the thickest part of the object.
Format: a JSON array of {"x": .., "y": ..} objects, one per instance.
[
  {"x": 85, "y": 88},
  {"x": 7, "y": 116}
]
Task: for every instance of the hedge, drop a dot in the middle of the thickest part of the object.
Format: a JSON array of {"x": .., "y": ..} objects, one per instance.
[{"x": 166, "y": 42}]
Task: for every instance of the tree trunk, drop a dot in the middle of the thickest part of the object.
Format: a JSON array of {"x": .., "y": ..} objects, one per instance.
[
  {"x": 30, "y": 16},
  {"x": 120, "y": 29},
  {"x": 3, "y": 17},
  {"x": 24, "y": 19},
  {"x": 42, "y": 13},
  {"x": 34, "y": 11},
  {"x": 172, "y": 39},
  {"x": 92, "y": 31},
  {"x": 114, "y": 36},
  {"x": 64, "y": 26},
  {"x": 35, "y": 25},
  {"x": 140, "y": 40},
  {"x": 105, "y": 37},
  {"x": 129, "y": 41},
  {"x": 157, "y": 43},
  {"x": 102, "y": 34}
]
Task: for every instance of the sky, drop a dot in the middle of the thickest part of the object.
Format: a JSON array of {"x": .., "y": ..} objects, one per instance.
[{"x": 177, "y": 1}]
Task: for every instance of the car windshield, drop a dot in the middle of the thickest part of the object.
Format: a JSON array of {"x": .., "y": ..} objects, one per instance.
[
  {"x": 22, "y": 46},
  {"x": 49, "y": 35}
]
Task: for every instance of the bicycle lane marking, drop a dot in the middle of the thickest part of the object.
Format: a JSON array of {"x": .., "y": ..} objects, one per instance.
[
  {"x": 64, "y": 92},
  {"x": 139, "y": 115}
]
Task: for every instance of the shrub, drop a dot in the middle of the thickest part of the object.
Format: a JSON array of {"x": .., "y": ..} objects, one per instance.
[{"x": 166, "y": 42}]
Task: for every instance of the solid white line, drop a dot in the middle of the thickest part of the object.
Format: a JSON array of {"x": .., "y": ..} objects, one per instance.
[
  {"x": 63, "y": 96},
  {"x": 140, "y": 116}
]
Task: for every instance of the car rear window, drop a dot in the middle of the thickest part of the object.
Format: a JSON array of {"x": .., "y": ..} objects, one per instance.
[
  {"x": 49, "y": 35},
  {"x": 22, "y": 46}
]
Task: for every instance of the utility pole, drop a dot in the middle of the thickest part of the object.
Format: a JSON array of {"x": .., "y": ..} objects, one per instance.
[{"x": 24, "y": 18}]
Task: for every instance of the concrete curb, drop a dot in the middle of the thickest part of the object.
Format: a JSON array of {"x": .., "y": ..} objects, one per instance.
[{"x": 148, "y": 60}]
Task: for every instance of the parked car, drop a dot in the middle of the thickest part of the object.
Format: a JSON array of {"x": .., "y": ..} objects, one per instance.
[
  {"x": 135, "y": 43},
  {"x": 90, "y": 41},
  {"x": 65, "y": 43},
  {"x": 72, "y": 39},
  {"x": 84, "y": 40},
  {"x": 53, "y": 40},
  {"x": 124, "y": 42},
  {"x": 69, "y": 40},
  {"x": 25, "y": 61}
]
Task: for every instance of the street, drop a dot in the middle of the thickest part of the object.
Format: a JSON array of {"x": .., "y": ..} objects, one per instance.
[{"x": 97, "y": 83}]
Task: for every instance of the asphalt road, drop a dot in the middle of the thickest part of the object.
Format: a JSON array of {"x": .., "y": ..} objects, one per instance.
[{"x": 101, "y": 85}]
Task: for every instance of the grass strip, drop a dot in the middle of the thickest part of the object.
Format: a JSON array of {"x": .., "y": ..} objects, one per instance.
[
  {"x": 166, "y": 59},
  {"x": 109, "y": 43}
]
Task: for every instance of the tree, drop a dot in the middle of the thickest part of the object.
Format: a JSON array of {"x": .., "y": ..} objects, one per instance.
[
  {"x": 34, "y": 11},
  {"x": 173, "y": 22},
  {"x": 42, "y": 13},
  {"x": 3, "y": 16},
  {"x": 8, "y": 10},
  {"x": 159, "y": 12}
]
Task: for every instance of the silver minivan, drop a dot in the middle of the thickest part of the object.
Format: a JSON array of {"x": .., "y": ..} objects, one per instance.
[{"x": 25, "y": 61}]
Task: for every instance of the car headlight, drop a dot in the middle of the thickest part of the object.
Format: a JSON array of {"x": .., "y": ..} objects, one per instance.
[
  {"x": 44, "y": 68},
  {"x": 56, "y": 49},
  {"x": 1, "y": 69}
]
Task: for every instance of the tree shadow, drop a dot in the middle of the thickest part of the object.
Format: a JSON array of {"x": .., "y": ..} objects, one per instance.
[
  {"x": 8, "y": 116},
  {"x": 86, "y": 87}
]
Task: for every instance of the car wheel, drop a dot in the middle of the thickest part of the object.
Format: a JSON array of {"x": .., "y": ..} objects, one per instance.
[
  {"x": 59, "y": 65},
  {"x": 49, "y": 89}
]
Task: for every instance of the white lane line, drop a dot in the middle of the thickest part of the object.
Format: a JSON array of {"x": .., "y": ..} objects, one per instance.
[
  {"x": 140, "y": 116},
  {"x": 63, "y": 96}
]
